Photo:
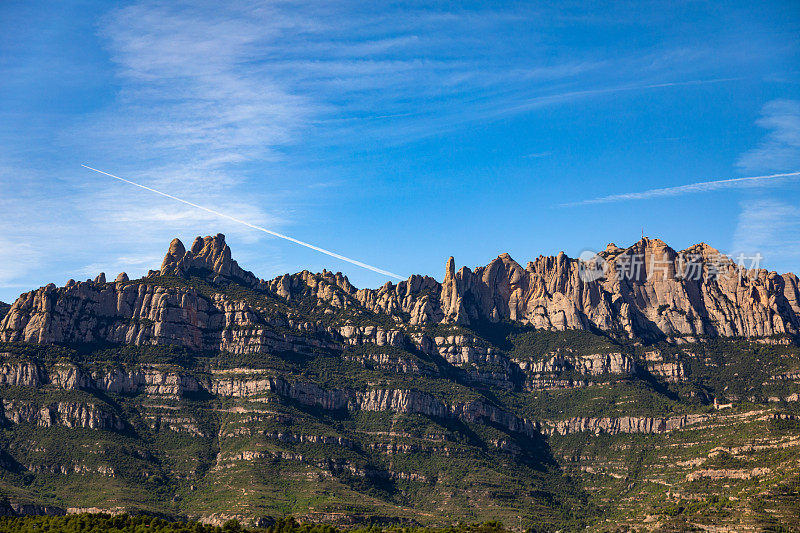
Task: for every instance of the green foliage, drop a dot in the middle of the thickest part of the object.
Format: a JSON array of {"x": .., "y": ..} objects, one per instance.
[
  {"x": 785, "y": 496},
  {"x": 532, "y": 344},
  {"x": 126, "y": 523},
  {"x": 91, "y": 523},
  {"x": 270, "y": 453},
  {"x": 785, "y": 425}
]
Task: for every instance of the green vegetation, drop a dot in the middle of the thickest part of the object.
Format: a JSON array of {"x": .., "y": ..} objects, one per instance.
[
  {"x": 396, "y": 437},
  {"x": 125, "y": 523},
  {"x": 532, "y": 344}
]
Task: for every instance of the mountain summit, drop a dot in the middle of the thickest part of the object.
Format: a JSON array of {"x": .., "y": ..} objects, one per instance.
[
  {"x": 647, "y": 291},
  {"x": 209, "y": 255}
]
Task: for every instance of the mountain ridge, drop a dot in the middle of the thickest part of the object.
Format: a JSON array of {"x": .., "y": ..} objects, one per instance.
[
  {"x": 551, "y": 293},
  {"x": 201, "y": 391}
]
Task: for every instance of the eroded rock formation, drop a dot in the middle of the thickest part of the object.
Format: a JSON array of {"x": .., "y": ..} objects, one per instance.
[{"x": 657, "y": 299}]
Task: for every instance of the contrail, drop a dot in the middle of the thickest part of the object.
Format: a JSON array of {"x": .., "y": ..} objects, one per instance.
[
  {"x": 703, "y": 186},
  {"x": 253, "y": 226}
]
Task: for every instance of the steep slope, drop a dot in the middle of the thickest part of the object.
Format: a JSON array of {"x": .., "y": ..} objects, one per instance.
[{"x": 202, "y": 391}]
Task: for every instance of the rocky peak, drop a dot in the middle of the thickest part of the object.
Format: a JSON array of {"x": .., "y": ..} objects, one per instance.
[
  {"x": 209, "y": 255},
  {"x": 339, "y": 280},
  {"x": 706, "y": 252},
  {"x": 648, "y": 292},
  {"x": 450, "y": 269},
  {"x": 175, "y": 253},
  {"x": 639, "y": 261},
  {"x": 502, "y": 271}
]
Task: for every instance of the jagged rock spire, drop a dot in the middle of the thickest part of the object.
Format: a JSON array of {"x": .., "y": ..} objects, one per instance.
[
  {"x": 649, "y": 290},
  {"x": 208, "y": 255}
]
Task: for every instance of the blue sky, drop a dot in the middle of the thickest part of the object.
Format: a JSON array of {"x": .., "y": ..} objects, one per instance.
[{"x": 397, "y": 134}]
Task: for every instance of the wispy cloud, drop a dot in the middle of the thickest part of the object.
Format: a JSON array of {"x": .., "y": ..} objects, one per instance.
[
  {"x": 195, "y": 94},
  {"x": 226, "y": 86},
  {"x": 206, "y": 94},
  {"x": 235, "y": 105},
  {"x": 769, "y": 227},
  {"x": 691, "y": 188},
  {"x": 111, "y": 266},
  {"x": 780, "y": 150},
  {"x": 16, "y": 258}
]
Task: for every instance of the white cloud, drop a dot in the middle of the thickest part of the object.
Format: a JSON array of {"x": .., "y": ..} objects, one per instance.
[
  {"x": 195, "y": 95},
  {"x": 692, "y": 188},
  {"x": 206, "y": 96},
  {"x": 16, "y": 259},
  {"x": 780, "y": 150},
  {"x": 769, "y": 227},
  {"x": 134, "y": 266}
]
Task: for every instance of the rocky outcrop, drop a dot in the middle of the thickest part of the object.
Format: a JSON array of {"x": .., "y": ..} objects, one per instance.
[
  {"x": 232, "y": 383},
  {"x": 209, "y": 257},
  {"x": 241, "y": 384},
  {"x": 670, "y": 372},
  {"x": 145, "y": 314},
  {"x": 137, "y": 379},
  {"x": 588, "y": 365},
  {"x": 728, "y": 474},
  {"x": 625, "y": 424},
  {"x": 386, "y": 362},
  {"x": 564, "y": 370},
  {"x": 463, "y": 349},
  {"x": 372, "y": 335},
  {"x": 12, "y": 508},
  {"x": 144, "y": 380},
  {"x": 20, "y": 374},
  {"x": 646, "y": 290},
  {"x": 69, "y": 414}
]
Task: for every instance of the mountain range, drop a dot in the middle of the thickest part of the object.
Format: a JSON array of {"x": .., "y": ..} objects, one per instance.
[{"x": 642, "y": 388}]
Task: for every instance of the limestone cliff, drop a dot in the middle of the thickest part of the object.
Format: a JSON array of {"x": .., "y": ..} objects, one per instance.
[
  {"x": 651, "y": 298},
  {"x": 164, "y": 382},
  {"x": 723, "y": 299}
]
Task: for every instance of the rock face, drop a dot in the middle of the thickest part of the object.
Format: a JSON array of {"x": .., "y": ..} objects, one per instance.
[
  {"x": 657, "y": 299},
  {"x": 68, "y": 414},
  {"x": 625, "y": 424},
  {"x": 163, "y": 382},
  {"x": 209, "y": 254},
  {"x": 652, "y": 298}
]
